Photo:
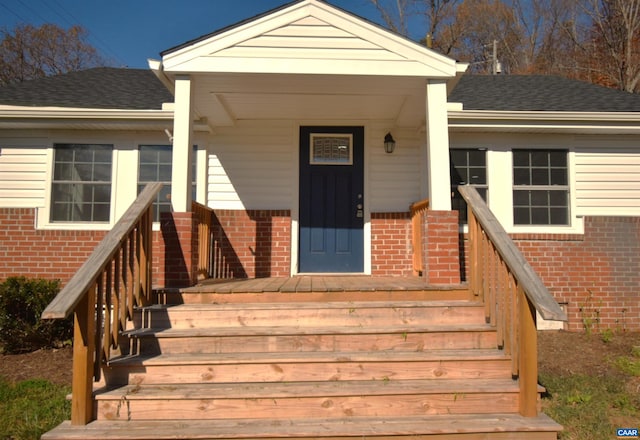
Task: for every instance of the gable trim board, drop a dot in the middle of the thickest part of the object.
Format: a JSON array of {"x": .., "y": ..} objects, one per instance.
[{"x": 270, "y": 44}]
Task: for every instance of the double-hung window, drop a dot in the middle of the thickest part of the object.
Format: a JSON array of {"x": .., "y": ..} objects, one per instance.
[
  {"x": 540, "y": 187},
  {"x": 468, "y": 167},
  {"x": 81, "y": 186},
  {"x": 154, "y": 165}
]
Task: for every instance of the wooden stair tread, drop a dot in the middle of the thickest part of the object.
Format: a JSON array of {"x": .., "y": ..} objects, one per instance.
[
  {"x": 308, "y": 389},
  {"x": 307, "y": 428},
  {"x": 303, "y": 330},
  {"x": 382, "y": 304},
  {"x": 310, "y": 357}
]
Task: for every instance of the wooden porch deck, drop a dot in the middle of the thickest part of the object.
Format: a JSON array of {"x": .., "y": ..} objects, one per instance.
[{"x": 315, "y": 288}]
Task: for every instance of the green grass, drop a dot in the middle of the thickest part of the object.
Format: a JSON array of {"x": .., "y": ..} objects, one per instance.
[
  {"x": 30, "y": 408},
  {"x": 593, "y": 407}
]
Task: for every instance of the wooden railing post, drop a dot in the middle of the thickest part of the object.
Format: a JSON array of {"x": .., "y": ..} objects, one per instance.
[
  {"x": 204, "y": 219},
  {"x": 84, "y": 350},
  {"x": 417, "y": 212},
  {"x": 528, "y": 368}
]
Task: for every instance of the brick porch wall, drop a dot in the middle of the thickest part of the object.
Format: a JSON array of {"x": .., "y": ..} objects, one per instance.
[
  {"x": 253, "y": 243},
  {"x": 391, "y": 252}
]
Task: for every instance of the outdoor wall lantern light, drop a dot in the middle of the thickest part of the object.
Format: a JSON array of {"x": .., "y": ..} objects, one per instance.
[{"x": 389, "y": 143}]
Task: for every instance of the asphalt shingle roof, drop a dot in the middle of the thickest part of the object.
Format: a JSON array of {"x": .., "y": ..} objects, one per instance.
[
  {"x": 139, "y": 89},
  {"x": 101, "y": 87},
  {"x": 539, "y": 93}
]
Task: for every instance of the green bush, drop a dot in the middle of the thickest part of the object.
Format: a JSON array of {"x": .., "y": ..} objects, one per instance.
[{"x": 22, "y": 301}]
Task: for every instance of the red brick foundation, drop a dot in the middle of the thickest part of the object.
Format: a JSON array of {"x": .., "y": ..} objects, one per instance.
[
  {"x": 25, "y": 251},
  {"x": 597, "y": 275},
  {"x": 58, "y": 254}
]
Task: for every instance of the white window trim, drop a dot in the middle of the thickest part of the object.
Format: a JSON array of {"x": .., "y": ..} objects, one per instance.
[
  {"x": 576, "y": 223},
  {"x": 124, "y": 178},
  {"x": 43, "y": 217},
  {"x": 500, "y": 191}
]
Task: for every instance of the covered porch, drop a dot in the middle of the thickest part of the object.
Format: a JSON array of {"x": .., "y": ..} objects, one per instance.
[{"x": 255, "y": 94}]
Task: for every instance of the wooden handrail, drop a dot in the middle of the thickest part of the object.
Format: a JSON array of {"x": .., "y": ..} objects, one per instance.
[
  {"x": 102, "y": 295},
  {"x": 533, "y": 287},
  {"x": 512, "y": 292},
  {"x": 70, "y": 296},
  {"x": 417, "y": 211}
]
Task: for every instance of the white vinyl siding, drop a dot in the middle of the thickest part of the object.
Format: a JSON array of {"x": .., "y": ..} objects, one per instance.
[
  {"x": 252, "y": 167},
  {"x": 26, "y": 167},
  {"x": 310, "y": 38},
  {"x": 255, "y": 166},
  {"x": 608, "y": 179},
  {"x": 23, "y": 175},
  {"x": 394, "y": 179}
]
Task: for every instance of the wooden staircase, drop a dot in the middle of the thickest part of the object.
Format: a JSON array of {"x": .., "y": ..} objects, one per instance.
[
  {"x": 304, "y": 357},
  {"x": 290, "y": 366}
]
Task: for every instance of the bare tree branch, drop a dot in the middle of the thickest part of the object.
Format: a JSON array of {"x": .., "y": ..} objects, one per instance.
[{"x": 28, "y": 52}]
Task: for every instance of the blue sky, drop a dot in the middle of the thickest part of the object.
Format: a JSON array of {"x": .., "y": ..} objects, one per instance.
[{"x": 131, "y": 31}]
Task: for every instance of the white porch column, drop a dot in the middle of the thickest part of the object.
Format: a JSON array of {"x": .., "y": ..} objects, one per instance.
[
  {"x": 182, "y": 146},
  {"x": 438, "y": 146}
]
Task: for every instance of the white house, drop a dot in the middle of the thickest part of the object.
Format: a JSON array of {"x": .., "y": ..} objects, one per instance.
[
  {"x": 279, "y": 123},
  {"x": 318, "y": 158}
]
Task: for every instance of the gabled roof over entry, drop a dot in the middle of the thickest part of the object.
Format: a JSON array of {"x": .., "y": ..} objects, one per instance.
[{"x": 308, "y": 37}]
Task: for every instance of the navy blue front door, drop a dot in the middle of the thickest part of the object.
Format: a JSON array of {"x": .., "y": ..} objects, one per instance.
[{"x": 331, "y": 200}]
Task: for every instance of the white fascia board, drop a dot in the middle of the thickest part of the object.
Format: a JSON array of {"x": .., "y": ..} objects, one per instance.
[
  {"x": 312, "y": 67},
  {"x": 77, "y": 118},
  {"x": 157, "y": 69},
  {"x": 569, "y": 122},
  {"x": 82, "y": 113},
  {"x": 185, "y": 59}
]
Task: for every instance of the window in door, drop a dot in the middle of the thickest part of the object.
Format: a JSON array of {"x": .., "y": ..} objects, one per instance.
[{"x": 331, "y": 149}]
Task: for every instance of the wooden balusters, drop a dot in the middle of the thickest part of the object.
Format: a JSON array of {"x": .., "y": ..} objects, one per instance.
[
  {"x": 102, "y": 295},
  {"x": 204, "y": 217},
  {"x": 512, "y": 293}
]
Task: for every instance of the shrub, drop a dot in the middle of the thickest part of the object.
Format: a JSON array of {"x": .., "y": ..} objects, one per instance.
[{"x": 22, "y": 301}]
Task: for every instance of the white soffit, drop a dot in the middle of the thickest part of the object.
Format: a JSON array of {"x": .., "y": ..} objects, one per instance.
[{"x": 309, "y": 37}]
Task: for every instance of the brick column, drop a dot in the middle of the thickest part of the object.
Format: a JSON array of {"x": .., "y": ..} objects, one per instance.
[
  {"x": 180, "y": 238},
  {"x": 441, "y": 242}
]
